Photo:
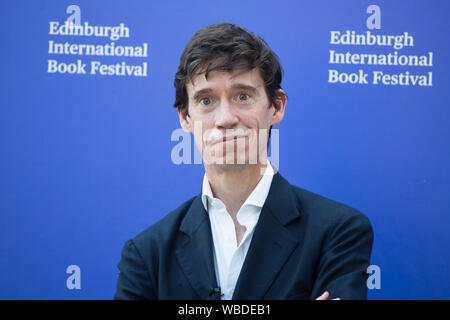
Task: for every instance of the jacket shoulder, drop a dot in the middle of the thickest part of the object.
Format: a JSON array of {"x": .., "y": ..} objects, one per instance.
[{"x": 325, "y": 211}]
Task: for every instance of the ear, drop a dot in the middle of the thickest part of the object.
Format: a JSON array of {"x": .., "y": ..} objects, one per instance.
[
  {"x": 278, "y": 107},
  {"x": 185, "y": 119}
]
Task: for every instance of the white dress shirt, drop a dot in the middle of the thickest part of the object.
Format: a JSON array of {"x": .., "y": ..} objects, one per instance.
[{"x": 229, "y": 257}]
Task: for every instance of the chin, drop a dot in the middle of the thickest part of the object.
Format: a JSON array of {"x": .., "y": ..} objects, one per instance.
[{"x": 229, "y": 167}]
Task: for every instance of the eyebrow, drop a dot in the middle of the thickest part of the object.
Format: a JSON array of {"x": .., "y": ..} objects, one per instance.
[
  {"x": 237, "y": 86},
  {"x": 201, "y": 92}
]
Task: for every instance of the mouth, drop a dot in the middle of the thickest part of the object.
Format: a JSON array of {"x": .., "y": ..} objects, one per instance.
[{"x": 228, "y": 139}]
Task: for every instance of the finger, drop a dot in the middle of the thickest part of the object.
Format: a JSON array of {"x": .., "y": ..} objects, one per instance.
[
  {"x": 336, "y": 299},
  {"x": 324, "y": 296}
]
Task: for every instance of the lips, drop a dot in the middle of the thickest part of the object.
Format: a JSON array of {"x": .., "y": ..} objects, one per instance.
[{"x": 228, "y": 139}]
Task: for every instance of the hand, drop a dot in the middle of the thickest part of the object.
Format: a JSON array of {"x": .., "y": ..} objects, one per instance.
[{"x": 325, "y": 296}]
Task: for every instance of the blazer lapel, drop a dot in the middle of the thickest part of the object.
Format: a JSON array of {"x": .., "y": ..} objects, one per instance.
[
  {"x": 272, "y": 242},
  {"x": 195, "y": 254}
]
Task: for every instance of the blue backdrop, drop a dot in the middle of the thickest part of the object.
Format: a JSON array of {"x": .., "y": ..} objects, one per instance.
[{"x": 86, "y": 158}]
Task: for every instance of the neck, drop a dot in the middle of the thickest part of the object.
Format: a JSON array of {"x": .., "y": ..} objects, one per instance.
[{"x": 233, "y": 184}]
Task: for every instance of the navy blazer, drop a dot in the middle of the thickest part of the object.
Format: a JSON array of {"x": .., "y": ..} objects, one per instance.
[{"x": 303, "y": 244}]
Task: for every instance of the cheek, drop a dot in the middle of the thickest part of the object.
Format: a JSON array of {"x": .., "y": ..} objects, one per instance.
[
  {"x": 257, "y": 122},
  {"x": 259, "y": 128},
  {"x": 201, "y": 130}
]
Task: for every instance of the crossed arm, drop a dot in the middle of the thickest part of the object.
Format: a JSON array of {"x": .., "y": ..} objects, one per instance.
[{"x": 344, "y": 261}]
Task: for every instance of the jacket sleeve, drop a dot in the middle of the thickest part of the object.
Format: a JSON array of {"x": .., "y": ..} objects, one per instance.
[
  {"x": 134, "y": 281},
  {"x": 342, "y": 269}
]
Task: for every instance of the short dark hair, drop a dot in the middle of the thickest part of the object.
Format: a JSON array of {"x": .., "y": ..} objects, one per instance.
[{"x": 228, "y": 47}]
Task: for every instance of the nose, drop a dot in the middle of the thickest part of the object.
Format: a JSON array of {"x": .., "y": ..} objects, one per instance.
[{"x": 225, "y": 116}]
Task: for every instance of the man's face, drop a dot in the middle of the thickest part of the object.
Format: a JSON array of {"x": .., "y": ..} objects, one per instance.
[{"x": 230, "y": 117}]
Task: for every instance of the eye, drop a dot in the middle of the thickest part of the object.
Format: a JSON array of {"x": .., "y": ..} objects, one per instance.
[
  {"x": 205, "y": 101},
  {"x": 243, "y": 97}
]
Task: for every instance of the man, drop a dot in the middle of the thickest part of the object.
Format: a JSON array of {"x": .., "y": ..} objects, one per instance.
[{"x": 249, "y": 234}]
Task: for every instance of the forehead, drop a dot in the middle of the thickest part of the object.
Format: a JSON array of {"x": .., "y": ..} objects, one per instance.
[{"x": 225, "y": 80}]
